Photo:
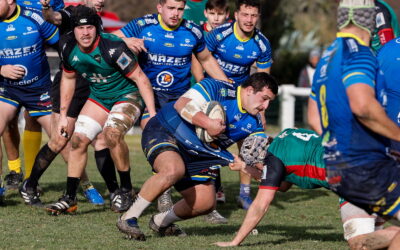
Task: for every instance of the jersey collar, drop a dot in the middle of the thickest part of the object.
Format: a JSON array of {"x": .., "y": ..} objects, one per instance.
[
  {"x": 344, "y": 34},
  {"x": 237, "y": 35},
  {"x": 239, "y": 100},
  {"x": 165, "y": 26},
  {"x": 13, "y": 17}
]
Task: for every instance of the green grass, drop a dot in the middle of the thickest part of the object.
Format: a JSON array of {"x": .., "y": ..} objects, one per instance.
[{"x": 297, "y": 219}]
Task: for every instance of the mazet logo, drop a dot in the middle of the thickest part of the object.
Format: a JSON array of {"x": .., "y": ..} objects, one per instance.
[{"x": 165, "y": 79}]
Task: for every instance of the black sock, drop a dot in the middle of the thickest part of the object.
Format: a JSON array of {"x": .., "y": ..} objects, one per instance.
[
  {"x": 72, "y": 186},
  {"x": 106, "y": 167},
  {"x": 125, "y": 178},
  {"x": 43, "y": 160},
  {"x": 218, "y": 181}
]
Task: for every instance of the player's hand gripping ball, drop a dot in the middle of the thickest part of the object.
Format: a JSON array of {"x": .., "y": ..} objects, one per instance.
[{"x": 213, "y": 110}]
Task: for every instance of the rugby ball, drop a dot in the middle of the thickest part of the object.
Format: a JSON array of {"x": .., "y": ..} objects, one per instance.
[{"x": 213, "y": 110}]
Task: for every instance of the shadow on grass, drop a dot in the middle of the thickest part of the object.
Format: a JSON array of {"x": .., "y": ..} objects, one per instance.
[{"x": 289, "y": 233}]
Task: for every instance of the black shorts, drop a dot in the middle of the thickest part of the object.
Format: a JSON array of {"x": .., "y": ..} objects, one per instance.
[
  {"x": 375, "y": 186},
  {"x": 199, "y": 168},
  {"x": 81, "y": 94}
]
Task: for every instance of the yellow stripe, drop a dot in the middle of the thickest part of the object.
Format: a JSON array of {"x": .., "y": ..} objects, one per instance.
[
  {"x": 343, "y": 34},
  {"x": 392, "y": 207},
  {"x": 14, "y": 17},
  {"x": 237, "y": 35},
  {"x": 258, "y": 133},
  {"x": 39, "y": 111},
  {"x": 162, "y": 24},
  {"x": 202, "y": 176},
  {"x": 239, "y": 101},
  {"x": 352, "y": 74},
  {"x": 264, "y": 62},
  {"x": 162, "y": 143},
  {"x": 2, "y": 97},
  {"x": 55, "y": 32},
  {"x": 205, "y": 91}
]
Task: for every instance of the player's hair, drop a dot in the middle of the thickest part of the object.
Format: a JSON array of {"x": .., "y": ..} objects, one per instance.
[
  {"x": 83, "y": 15},
  {"x": 164, "y": 1},
  {"x": 251, "y": 3},
  {"x": 260, "y": 80},
  {"x": 217, "y": 5}
]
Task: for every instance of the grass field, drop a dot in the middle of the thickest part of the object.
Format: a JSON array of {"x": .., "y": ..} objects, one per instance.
[{"x": 297, "y": 219}]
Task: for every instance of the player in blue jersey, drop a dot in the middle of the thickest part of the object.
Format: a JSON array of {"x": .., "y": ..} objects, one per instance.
[
  {"x": 355, "y": 128},
  {"x": 25, "y": 73},
  {"x": 388, "y": 82},
  {"x": 180, "y": 159},
  {"x": 169, "y": 42},
  {"x": 56, "y": 5},
  {"x": 237, "y": 46}
]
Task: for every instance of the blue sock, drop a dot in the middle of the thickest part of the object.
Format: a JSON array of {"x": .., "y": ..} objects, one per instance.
[{"x": 244, "y": 190}]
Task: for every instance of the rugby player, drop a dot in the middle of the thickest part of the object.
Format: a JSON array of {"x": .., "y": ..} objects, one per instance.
[
  {"x": 180, "y": 159},
  {"x": 355, "y": 128},
  {"x": 237, "y": 46},
  {"x": 387, "y": 25},
  {"x": 24, "y": 71},
  {"x": 57, "y": 143},
  {"x": 295, "y": 156},
  {"x": 117, "y": 86}
]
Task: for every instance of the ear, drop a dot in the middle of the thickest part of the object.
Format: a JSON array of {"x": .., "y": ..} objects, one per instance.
[
  {"x": 205, "y": 13},
  {"x": 159, "y": 7},
  {"x": 249, "y": 90},
  {"x": 236, "y": 15},
  {"x": 227, "y": 15}
]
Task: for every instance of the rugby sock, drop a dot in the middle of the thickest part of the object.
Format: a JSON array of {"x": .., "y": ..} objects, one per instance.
[
  {"x": 244, "y": 190},
  {"x": 166, "y": 218},
  {"x": 42, "y": 162},
  {"x": 137, "y": 208},
  {"x": 15, "y": 165},
  {"x": 106, "y": 167},
  {"x": 72, "y": 186},
  {"x": 31, "y": 142},
  {"x": 125, "y": 178}
]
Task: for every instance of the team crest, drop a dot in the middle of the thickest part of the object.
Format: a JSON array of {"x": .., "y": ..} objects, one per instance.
[
  {"x": 123, "y": 61},
  {"x": 97, "y": 58}
]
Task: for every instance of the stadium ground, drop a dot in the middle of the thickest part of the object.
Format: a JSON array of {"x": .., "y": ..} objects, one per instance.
[{"x": 297, "y": 219}]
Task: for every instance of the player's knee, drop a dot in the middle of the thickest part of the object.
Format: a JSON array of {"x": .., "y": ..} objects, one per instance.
[
  {"x": 113, "y": 137},
  {"x": 87, "y": 126},
  {"x": 57, "y": 145},
  {"x": 78, "y": 141}
]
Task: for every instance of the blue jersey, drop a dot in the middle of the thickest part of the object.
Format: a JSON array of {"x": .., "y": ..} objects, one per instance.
[
  {"x": 347, "y": 61},
  {"x": 388, "y": 82},
  {"x": 23, "y": 40},
  {"x": 168, "y": 58},
  {"x": 235, "y": 55},
  {"x": 239, "y": 123},
  {"x": 55, "y": 4}
]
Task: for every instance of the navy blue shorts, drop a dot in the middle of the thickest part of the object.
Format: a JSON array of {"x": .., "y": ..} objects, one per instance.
[
  {"x": 35, "y": 100},
  {"x": 199, "y": 167},
  {"x": 373, "y": 187},
  {"x": 160, "y": 99}
]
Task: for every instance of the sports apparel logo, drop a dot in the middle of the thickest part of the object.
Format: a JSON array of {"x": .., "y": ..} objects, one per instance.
[
  {"x": 240, "y": 47},
  {"x": 97, "y": 58},
  {"x": 123, "y": 61},
  {"x": 170, "y": 35},
  {"x": 10, "y": 28},
  {"x": 165, "y": 79},
  {"x": 44, "y": 96},
  {"x": 111, "y": 52},
  {"x": 75, "y": 59}
]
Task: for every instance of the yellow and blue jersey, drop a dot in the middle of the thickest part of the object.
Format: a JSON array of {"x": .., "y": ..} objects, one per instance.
[
  {"x": 35, "y": 4},
  {"x": 168, "y": 58},
  {"x": 235, "y": 55},
  {"x": 23, "y": 40},
  {"x": 388, "y": 81},
  {"x": 239, "y": 123},
  {"x": 347, "y": 61}
]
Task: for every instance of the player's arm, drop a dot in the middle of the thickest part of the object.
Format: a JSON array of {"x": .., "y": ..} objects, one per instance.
[
  {"x": 133, "y": 43},
  {"x": 197, "y": 69},
  {"x": 265, "y": 70},
  {"x": 49, "y": 14},
  {"x": 313, "y": 116},
  {"x": 145, "y": 89},
  {"x": 369, "y": 112},
  {"x": 67, "y": 89},
  {"x": 189, "y": 107},
  {"x": 210, "y": 65}
]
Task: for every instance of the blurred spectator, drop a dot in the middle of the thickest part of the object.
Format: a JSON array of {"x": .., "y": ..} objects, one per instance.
[{"x": 307, "y": 73}]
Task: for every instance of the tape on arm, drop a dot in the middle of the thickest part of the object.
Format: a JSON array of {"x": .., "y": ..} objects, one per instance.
[{"x": 193, "y": 106}]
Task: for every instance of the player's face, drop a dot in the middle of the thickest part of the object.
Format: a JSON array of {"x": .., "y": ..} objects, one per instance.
[
  {"x": 256, "y": 102},
  {"x": 215, "y": 17},
  {"x": 98, "y": 5},
  {"x": 247, "y": 18},
  {"x": 5, "y": 9},
  {"x": 171, "y": 12},
  {"x": 85, "y": 35}
]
